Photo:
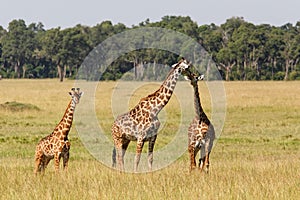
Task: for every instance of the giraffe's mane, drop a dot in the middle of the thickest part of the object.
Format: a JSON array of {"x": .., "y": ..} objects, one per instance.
[{"x": 66, "y": 111}]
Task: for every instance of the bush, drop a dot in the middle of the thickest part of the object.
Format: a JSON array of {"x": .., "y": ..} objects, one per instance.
[
  {"x": 294, "y": 75},
  {"x": 279, "y": 76}
]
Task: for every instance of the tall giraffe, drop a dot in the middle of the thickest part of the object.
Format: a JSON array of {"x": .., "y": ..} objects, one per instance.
[
  {"x": 141, "y": 123},
  {"x": 56, "y": 145},
  {"x": 201, "y": 133}
]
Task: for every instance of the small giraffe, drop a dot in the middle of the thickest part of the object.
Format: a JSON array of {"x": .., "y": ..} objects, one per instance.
[
  {"x": 56, "y": 145},
  {"x": 141, "y": 123},
  {"x": 201, "y": 133}
]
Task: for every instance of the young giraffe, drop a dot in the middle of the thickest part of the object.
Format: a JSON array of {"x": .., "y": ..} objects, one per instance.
[
  {"x": 201, "y": 133},
  {"x": 57, "y": 145},
  {"x": 141, "y": 123}
]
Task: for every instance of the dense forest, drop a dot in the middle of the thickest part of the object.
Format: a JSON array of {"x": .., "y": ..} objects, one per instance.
[{"x": 241, "y": 50}]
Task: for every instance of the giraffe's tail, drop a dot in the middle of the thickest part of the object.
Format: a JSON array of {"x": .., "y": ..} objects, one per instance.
[{"x": 114, "y": 154}]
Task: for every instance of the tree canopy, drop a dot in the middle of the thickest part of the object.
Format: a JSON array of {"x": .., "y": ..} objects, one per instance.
[{"x": 240, "y": 49}]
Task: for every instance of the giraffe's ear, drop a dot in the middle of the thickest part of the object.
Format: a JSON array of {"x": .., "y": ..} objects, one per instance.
[
  {"x": 185, "y": 65},
  {"x": 81, "y": 94}
]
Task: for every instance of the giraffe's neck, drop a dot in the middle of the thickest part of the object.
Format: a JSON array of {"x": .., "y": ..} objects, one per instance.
[
  {"x": 164, "y": 93},
  {"x": 198, "y": 107},
  {"x": 65, "y": 124}
]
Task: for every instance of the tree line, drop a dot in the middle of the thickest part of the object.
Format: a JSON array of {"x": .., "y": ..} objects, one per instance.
[{"x": 240, "y": 49}]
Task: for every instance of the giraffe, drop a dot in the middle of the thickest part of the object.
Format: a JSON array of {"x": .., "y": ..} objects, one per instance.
[
  {"x": 141, "y": 122},
  {"x": 56, "y": 145},
  {"x": 201, "y": 133}
]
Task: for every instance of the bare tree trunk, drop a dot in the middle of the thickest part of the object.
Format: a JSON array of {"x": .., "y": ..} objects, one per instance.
[
  {"x": 255, "y": 66},
  {"x": 273, "y": 67},
  {"x": 17, "y": 69},
  {"x": 297, "y": 60},
  {"x": 60, "y": 72},
  {"x": 208, "y": 69},
  {"x": 245, "y": 69},
  {"x": 227, "y": 68},
  {"x": 65, "y": 71},
  {"x": 70, "y": 70},
  {"x": 287, "y": 65},
  {"x": 24, "y": 71},
  {"x": 154, "y": 69},
  {"x": 293, "y": 64},
  {"x": 135, "y": 65}
]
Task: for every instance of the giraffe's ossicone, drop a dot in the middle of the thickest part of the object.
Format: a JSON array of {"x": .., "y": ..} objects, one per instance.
[{"x": 56, "y": 145}]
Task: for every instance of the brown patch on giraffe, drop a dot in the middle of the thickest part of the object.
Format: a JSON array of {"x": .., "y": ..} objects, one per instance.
[{"x": 165, "y": 101}]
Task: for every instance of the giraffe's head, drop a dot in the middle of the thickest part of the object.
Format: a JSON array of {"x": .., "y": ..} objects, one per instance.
[
  {"x": 76, "y": 94},
  {"x": 193, "y": 77},
  {"x": 182, "y": 66},
  {"x": 188, "y": 71}
]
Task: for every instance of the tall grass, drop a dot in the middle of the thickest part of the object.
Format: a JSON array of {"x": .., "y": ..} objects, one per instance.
[{"x": 256, "y": 157}]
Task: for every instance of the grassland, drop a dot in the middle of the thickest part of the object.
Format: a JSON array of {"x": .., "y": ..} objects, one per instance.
[{"x": 257, "y": 155}]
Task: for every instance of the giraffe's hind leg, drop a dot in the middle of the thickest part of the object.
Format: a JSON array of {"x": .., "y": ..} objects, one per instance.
[
  {"x": 193, "y": 154},
  {"x": 38, "y": 163},
  {"x": 66, "y": 155},
  {"x": 206, "y": 149},
  {"x": 120, "y": 153},
  {"x": 204, "y": 163},
  {"x": 204, "y": 160},
  {"x": 41, "y": 163}
]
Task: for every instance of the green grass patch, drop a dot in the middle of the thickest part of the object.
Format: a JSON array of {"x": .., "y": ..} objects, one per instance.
[{"x": 18, "y": 107}]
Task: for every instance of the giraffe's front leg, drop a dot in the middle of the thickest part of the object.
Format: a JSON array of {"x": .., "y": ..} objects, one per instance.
[
  {"x": 139, "y": 148},
  {"x": 56, "y": 161},
  {"x": 114, "y": 158},
  {"x": 150, "y": 151}
]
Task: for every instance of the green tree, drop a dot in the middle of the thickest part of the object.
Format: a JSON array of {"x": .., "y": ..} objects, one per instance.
[
  {"x": 2, "y": 33},
  {"x": 274, "y": 46},
  {"x": 75, "y": 47},
  {"x": 291, "y": 44},
  {"x": 18, "y": 46}
]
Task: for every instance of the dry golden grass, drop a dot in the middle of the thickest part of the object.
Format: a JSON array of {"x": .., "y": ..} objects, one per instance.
[{"x": 256, "y": 157}]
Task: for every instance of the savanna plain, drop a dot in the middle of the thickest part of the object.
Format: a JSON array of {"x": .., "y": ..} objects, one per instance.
[{"x": 256, "y": 156}]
